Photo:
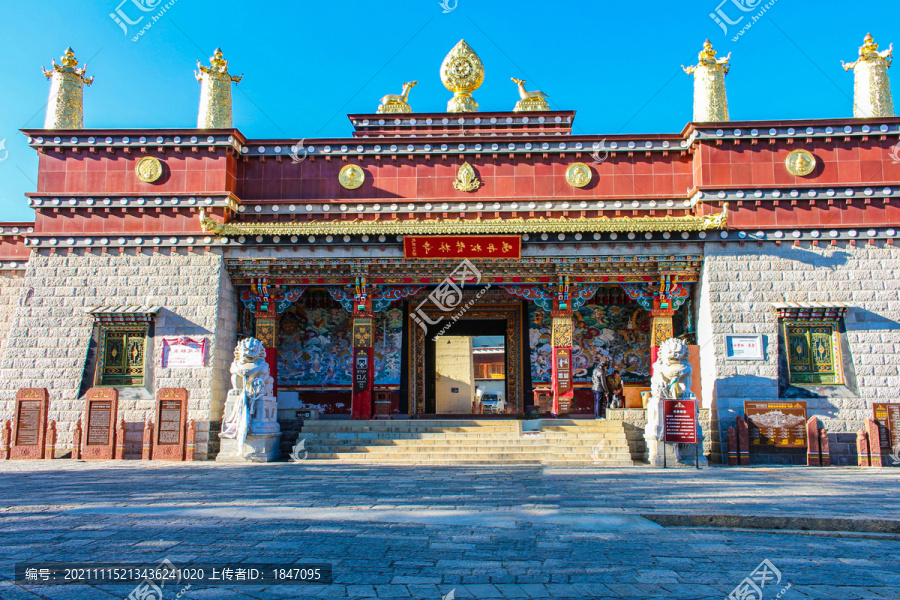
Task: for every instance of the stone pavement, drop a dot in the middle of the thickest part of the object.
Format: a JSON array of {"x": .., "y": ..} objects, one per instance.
[{"x": 478, "y": 532}]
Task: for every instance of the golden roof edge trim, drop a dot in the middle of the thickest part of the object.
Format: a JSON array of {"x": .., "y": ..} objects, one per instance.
[{"x": 475, "y": 226}]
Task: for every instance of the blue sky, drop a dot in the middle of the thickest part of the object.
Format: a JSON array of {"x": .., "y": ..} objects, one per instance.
[{"x": 308, "y": 64}]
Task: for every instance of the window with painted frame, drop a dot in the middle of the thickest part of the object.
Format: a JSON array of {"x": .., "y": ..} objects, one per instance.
[
  {"x": 812, "y": 338},
  {"x": 123, "y": 350}
]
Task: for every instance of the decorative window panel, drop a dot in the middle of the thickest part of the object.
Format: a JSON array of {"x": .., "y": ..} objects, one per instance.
[
  {"x": 813, "y": 351},
  {"x": 122, "y": 352}
]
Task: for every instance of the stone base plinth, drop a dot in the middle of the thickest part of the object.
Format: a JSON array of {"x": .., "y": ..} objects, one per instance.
[
  {"x": 677, "y": 455},
  {"x": 257, "y": 448}
]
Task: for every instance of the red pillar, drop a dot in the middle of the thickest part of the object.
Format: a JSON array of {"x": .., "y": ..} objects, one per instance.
[
  {"x": 267, "y": 333},
  {"x": 363, "y": 366},
  {"x": 561, "y": 369}
]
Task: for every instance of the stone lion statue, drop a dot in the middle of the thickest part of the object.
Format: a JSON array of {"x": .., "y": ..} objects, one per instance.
[
  {"x": 252, "y": 387},
  {"x": 671, "y": 380},
  {"x": 671, "y": 371}
]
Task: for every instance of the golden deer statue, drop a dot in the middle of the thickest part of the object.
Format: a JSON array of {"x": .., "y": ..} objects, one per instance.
[
  {"x": 393, "y": 103},
  {"x": 529, "y": 101}
]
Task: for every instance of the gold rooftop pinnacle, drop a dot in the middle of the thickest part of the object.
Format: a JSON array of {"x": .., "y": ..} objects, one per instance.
[
  {"x": 710, "y": 103},
  {"x": 462, "y": 72},
  {"x": 215, "y": 93},
  {"x": 871, "y": 85},
  {"x": 65, "y": 106}
]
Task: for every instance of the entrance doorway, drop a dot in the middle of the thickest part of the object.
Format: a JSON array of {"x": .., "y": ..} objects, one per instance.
[
  {"x": 465, "y": 369},
  {"x": 470, "y": 375}
]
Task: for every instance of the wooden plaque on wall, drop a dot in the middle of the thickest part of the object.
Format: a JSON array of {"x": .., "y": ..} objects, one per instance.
[
  {"x": 171, "y": 417},
  {"x": 100, "y": 414},
  {"x": 29, "y": 434}
]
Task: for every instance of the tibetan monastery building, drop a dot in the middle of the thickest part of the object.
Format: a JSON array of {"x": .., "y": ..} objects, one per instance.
[{"x": 461, "y": 262}]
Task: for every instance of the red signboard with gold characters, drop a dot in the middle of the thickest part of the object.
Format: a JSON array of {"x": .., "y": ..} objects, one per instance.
[{"x": 462, "y": 246}]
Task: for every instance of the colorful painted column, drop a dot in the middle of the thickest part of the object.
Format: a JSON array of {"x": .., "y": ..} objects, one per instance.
[
  {"x": 267, "y": 304},
  {"x": 660, "y": 329},
  {"x": 363, "y": 353},
  {"x": 561, "y": 340},
  {"x": 267, "y": 333}
]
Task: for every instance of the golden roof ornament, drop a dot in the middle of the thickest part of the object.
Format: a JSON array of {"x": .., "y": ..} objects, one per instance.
[
  {"x": 394, "y": 103},
  {"x": 529, "y": 101},
  {"x": 871, "y": 85},
  {"x": 65, "y": 106},
  {"x": 215, "y": 93},
  {"x": 462, "y": 72},
  {"x": 710, "y": 102}
]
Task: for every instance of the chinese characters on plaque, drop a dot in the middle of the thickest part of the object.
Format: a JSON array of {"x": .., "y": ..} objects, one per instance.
[
  {"x": 30, "y": 433},
  {"x": 776, "y": 423},
  {"x": 467, "y": 246},
  {"x": 743, "y": 346},
  {"x": 171, "y": 418},
  {"x": 888, "y": 418},
  {"x": 183, "y": 352},
  {"x": 679, "y": 421},
  {"x": 100, "y": 412}
]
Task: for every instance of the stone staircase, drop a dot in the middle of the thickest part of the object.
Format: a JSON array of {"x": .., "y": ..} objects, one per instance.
[{"x": 547, "y": 441}]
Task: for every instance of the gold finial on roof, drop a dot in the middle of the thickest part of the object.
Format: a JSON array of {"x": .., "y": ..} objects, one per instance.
[
  {"x": 871, "y": 84},
  {"x": 215, "y": 92},
  {"x": 710, "y": 101},
  {"x": 65, "y": 106},
  {"x": 462, "y": 72}
]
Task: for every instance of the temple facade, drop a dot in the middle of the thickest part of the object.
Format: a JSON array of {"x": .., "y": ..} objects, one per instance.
[{"x": 767, "y": 246}]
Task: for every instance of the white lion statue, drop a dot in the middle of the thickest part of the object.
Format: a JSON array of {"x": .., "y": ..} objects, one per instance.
[
  {"x": 671, "y": 380},
  {"x": 251, "y": 403}
]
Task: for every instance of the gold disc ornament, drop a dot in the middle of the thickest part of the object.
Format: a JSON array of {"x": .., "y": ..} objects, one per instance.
[
  {"x": 148, "y": 169},
  {"x": 800, "y": 162},
  {"x": 578, "y": 175},
  {"x": 351, "y": 177}
]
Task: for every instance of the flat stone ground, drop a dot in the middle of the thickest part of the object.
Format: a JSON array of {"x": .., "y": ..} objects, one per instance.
[{"x": 453, "y": 531}]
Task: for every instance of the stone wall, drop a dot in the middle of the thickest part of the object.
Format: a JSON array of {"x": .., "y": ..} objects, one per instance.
[
  {"x": 49, "y": 336},
  {"x": 739, "y": 285},
  {"x": 10, "y": 287}
]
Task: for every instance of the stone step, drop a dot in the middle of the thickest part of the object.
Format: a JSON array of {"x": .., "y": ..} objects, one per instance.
[
  {"x": 386, "y": 423},
  {"x": 432, "y": 437},
  {"x": 419, "y": 429},
  {"x": 500, "y": 452},
  {"x": 470, "y": 459},
  {"x": 430, "y": 444}
]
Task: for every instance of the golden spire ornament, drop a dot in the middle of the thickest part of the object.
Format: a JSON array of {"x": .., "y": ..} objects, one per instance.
[
  {"x": 215, "y": 93},
  {"x": 65, "y": 107},
  {"x": 871, "y": 85},
  {"x": 462, "y": 72},
  {"x": 710, "y": 102}
]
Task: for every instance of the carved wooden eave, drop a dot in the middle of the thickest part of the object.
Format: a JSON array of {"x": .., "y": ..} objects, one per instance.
[{"x": 470, "y": 226}]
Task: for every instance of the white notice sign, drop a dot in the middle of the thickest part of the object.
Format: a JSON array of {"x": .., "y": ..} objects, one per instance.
[
  {"x": 744, "y": 346},
  {"x": 183, "y": 352}
]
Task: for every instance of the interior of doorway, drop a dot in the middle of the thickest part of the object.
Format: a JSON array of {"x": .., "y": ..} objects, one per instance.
[{"x": 466, "y": 370}]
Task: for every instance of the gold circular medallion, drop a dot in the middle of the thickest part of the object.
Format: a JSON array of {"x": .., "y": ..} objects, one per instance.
[
  {"x": 578, "y": 175},
  {"x": 800, "y": 162},
  {"x": 351, "y": 177},
  {"x": 148, "y": 169}
]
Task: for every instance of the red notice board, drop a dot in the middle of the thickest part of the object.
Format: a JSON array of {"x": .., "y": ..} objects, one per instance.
[{"x": 680, "y": 421}]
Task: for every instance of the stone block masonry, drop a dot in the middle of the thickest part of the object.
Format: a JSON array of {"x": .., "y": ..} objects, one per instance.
[
  {"x": 10, "y": 284},
  {"x": 739, "y": 285},
  {"x": 49, "y": 334}
]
